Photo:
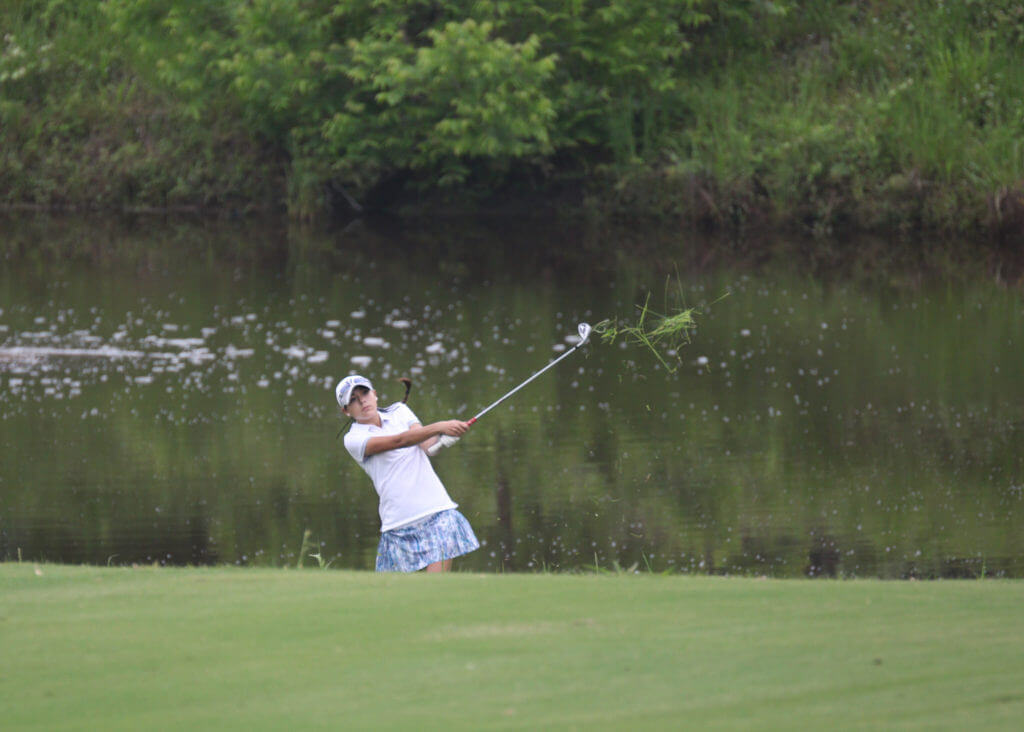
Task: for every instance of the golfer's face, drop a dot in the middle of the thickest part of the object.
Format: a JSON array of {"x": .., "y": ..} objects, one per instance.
[{"x": 363, "y": 405}]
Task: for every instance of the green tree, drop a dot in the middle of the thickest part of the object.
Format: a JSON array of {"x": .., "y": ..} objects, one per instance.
[
  {"x": 449, "y": 91},
  {"x": 463, "y": 99}
]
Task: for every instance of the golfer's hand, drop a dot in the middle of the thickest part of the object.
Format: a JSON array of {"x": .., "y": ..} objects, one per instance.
[
  {"x": 450, "y": 431},
  {"x": 454, "y": 428}
]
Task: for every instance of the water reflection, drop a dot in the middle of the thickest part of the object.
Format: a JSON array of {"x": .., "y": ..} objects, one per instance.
[{"x": 167, "y": 396}]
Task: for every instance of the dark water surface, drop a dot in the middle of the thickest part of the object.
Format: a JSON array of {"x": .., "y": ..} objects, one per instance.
[{"x": 166, "y": 391}]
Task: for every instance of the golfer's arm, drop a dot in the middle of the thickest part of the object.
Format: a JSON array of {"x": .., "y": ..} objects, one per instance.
[{"x": 415, "y": 435}]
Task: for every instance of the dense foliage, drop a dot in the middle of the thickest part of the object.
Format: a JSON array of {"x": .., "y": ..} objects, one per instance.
[
  {"x": 451, "y": 93},
  {"x": 818, "y": 112}
]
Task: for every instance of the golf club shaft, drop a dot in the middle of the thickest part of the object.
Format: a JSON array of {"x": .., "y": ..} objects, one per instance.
[{"x": 492, "y": 406}]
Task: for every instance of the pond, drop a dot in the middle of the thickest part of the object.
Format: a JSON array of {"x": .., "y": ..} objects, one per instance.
[{"x": 167, "y": 397}]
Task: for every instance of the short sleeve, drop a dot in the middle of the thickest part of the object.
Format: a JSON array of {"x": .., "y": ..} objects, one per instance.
[
  {"x": 355, "y": 443},
  {"x": 406, "y": 415}
]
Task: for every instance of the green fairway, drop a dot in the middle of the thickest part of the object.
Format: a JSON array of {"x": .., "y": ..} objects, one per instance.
[{"x": 143, "y": 649}]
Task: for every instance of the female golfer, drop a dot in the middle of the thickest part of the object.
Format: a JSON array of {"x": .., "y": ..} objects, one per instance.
[{"x": 420, "y": 526}]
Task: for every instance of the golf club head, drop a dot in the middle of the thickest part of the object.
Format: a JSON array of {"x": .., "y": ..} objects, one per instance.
[{"x": 584, "y": 330}]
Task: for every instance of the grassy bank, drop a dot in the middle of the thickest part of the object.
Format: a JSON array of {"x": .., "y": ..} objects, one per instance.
[
  {"x": 92, "y": 648},
  {"x": 816, "y": 115}
]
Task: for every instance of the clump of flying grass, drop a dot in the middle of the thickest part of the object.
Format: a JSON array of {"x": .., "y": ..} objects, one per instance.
[{"x": 662, "y": 334}]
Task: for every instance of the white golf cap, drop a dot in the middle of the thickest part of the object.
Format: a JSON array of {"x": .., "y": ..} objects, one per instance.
[{"x": 343, "y": 391}]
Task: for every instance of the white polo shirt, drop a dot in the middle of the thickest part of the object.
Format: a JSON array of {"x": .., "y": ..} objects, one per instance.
[{"x": 408, "y": 487}]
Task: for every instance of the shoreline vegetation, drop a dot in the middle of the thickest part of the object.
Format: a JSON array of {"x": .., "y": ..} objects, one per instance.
[{"x": 819, "y": 117}]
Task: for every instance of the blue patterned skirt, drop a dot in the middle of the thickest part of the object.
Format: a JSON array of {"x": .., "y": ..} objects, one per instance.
[{"x": 444, "y": 535}]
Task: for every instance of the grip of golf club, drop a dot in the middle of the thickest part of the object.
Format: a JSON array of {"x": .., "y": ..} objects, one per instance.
[
  {"x": 442, "y": 441},
  {"x": 471, "y": 421}
]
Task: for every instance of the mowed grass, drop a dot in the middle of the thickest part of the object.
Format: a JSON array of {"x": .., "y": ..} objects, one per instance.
[{"x": 114, "y": 648}]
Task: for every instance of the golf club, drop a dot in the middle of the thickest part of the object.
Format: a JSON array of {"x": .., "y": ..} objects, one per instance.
[{"x": 446, "y": 441}]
